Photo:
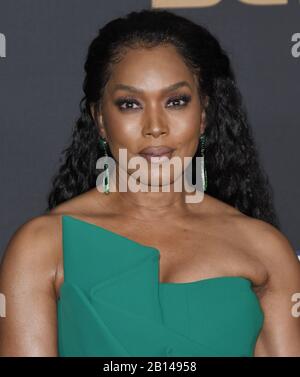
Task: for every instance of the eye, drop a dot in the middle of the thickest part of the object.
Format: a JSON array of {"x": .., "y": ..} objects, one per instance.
[
  {"x": 183, "y": 98},
  {"x": 123, "y": 101},
  {"x": 127, "y": 103}
]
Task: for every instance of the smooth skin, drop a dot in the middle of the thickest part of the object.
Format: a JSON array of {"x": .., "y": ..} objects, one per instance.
[{"x": 196, "y": 240}]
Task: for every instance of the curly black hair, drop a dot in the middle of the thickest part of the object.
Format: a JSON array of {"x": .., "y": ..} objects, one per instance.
[{"x": 234, "y": 172}]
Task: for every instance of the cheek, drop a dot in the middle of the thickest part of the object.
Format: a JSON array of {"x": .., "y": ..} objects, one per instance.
[
  {"x": 123, "y": 137},
  {"x": 187, "y": 135},
  {"x": 187, "y": 141},
  {"x": 190, "y": 148},
  {"x": 186, "y": 123},
  {"x": 123, "y": 133}
]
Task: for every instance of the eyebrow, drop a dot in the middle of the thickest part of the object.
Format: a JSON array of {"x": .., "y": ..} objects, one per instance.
[{"x": 164, "y": 90}]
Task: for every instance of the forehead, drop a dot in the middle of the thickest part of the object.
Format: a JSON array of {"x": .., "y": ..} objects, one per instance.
[{"x": 150, "y": 69}]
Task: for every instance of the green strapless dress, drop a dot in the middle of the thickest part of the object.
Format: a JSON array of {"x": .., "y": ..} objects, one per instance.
[{"x": 113, "y": 304}]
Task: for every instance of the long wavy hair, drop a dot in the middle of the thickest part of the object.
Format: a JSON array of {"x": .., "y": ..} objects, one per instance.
[{"x": 234, "y": 172}]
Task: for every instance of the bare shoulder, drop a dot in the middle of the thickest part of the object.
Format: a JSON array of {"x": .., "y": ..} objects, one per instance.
[
  {"x": 88, "y": 204},
  {"x": 43, "y": 233},
  {"x": 280, "y": 268},
  {"x": 35, "y": 246},
  {"x": 259, "y": 240},
  {"x": 27, "y": 276},
  {"x": 272, "y": 248},
  {"x": 31, "y": 250},
  {"x": 270, "y": 242},
  {"x": 33, "y": 254},
  {"x": 263, "y": 238}
]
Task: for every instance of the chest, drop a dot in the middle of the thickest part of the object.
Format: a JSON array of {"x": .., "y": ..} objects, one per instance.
[
  {"x": 189, "y": 251},
  {"x": 192, "y": 250}
]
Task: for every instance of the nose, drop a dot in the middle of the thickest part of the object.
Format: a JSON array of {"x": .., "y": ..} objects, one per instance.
[{"x": 155, "y": 126}]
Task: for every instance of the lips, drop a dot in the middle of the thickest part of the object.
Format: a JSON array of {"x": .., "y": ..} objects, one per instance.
[
  {"x": 156, "y": 155},
  {"x": 156, "y": 151}
]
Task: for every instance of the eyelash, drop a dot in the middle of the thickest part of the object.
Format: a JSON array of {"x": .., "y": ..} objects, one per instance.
[{"x": 123, "y": 100}]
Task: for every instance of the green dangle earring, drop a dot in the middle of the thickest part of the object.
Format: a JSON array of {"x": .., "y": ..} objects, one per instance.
[
  {"x": 105, "y": 183},
  {"x": 204, "y": 173}
]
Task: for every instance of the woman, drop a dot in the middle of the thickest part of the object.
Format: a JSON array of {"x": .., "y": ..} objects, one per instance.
[{"x": 111, "y": 272}]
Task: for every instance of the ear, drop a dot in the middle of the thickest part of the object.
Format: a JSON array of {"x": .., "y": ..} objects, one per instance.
[
  {"x": 98, "y": 119},
  {"x": 203, "y": 121},
  {"x": 203, "y": 115},
  {"x": 92, "y": 111}
]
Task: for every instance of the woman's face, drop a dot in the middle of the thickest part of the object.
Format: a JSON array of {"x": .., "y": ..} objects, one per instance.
[{"x": 141, "y": 107}]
